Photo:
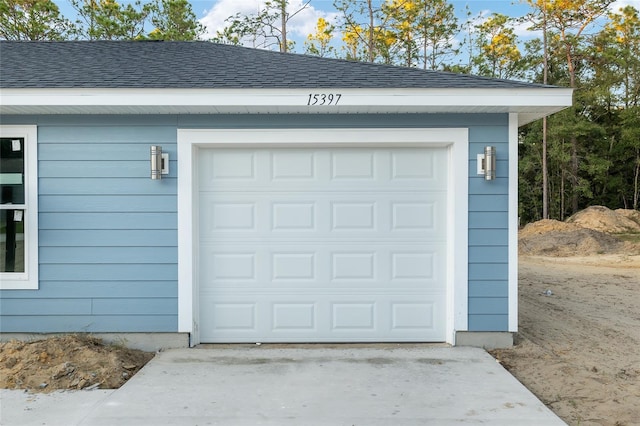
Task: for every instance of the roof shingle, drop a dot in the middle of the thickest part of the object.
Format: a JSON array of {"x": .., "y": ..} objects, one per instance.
[{"x": 205, "y": 65}]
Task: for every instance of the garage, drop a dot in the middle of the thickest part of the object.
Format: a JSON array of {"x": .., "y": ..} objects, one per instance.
[
  {"x": 329, "y": 244},
  {"x": 252, "y": 196}
]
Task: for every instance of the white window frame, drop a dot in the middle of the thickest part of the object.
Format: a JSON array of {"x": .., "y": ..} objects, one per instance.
[{"x": 27, "y": 280}]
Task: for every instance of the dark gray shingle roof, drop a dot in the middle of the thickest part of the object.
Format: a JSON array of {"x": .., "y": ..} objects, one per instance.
[{"x": 163, "y": 64}]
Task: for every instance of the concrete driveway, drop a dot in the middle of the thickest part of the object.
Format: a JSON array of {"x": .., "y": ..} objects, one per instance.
[{"x": 301, "y": 385}]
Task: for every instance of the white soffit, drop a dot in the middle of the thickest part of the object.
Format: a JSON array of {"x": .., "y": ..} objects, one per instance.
[{"x": 530, "y": 103}]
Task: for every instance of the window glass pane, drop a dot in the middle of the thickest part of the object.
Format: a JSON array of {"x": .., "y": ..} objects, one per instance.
[
  {"x": 12, "y": 170},
  {"x": 12, "y": 240}
]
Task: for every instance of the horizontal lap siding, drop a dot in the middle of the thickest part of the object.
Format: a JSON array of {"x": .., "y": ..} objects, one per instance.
[
  {"x": 489, "y": 232},
  {"x": 108, "y": 233}
]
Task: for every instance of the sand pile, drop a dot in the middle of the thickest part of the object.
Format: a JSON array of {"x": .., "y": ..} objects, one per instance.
[
  {"x": 67, "y": 362},
  {"x": 545, "y": 226},
  {"x": 602, "y": 219},
  {"x": 586, "y": 233},
  {"x": 634, "y": 215}
]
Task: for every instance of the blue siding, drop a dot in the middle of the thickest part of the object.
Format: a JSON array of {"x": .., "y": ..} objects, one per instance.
[
  {"x": 108, "y": 186},
  {"x": 106, "y": 255},
  {"x": 69, "y": 323},
  {"x": 488, "y": 254},
  {"x": 108, "y": 233},
  {"x": 120, "y": 220},
  {"x": 108, "y": 238},
  {"x": 482, "y": 289},
  {"x": 110, "y": 272},
  {"x": 107, "y": 203},
  {"x": 488, "y": 305},
  {"x": 488, "y": 232},
  {"x": 488, "y": 220},
  {"x": 96, "y": 289},
  {"x": 488, "y": 322}
]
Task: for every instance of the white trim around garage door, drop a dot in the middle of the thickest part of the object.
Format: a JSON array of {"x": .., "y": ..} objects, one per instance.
[{"x": 457, "y": 141}]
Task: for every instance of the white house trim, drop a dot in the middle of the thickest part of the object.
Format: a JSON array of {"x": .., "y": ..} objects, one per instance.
[
  {"x": 27, "y": 280},
  {"x": 189, "y": 142},
  {"x": 530, "y": 103},
  {"x": 513, "y": 223}
]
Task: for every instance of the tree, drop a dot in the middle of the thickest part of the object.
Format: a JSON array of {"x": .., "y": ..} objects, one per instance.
[
  {"x": 371, "y": 37},
  {"x": 437, "y": 28},
  {"x": 631, "y": 138},
  {"x": 266, "y": 29},
  {"x": 424, "y": 30},
  {"x": 108, "y": 20},
  {"x": 32, "y": 20},
  {"x": 402, "y": 16},
  {"x": 174, "y": 20},
  {"x": 499, "y": 56},
  {"x": 319, "y": 43},
  {"x": 540, "y": 21},
  {"x": 621, "y": 40},
  {"x": 570, "y": 18},
  {"x": 614, "y": 60}
]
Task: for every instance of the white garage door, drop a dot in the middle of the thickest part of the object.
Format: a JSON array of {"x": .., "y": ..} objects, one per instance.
[{"x": 322, "y": 245}]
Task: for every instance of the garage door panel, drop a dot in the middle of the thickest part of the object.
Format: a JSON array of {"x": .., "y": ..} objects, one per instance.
[
  {"x": 293, "y": 216},
  {"x": 312, "y": 169},
  {"x": 230, "y": 315},
  {"x": 427, "y": 167},
  {"x": 322, "y": 244},
  {"x": 326, "y": 318},
  {"x": 353, "y": 164},
  {"x": 226, "y": 166},
  {"x": 293, "y": 165},
  {"x": 317, "y": 216},
  {"x": 312, "y": 265}
]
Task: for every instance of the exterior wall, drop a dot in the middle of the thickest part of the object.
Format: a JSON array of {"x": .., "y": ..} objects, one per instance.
[{"x": 108, "y": 233}]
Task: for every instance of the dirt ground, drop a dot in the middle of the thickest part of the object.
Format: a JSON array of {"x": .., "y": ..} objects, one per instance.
[
  {"x": 67, "y": 362},
  {"x": 578, "y": 346}
]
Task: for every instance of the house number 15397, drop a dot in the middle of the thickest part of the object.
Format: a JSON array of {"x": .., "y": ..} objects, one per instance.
[{"x": 318, "y": 99}]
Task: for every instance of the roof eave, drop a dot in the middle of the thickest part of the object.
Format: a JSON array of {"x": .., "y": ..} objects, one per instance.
[{"x": 530, "y": 103}]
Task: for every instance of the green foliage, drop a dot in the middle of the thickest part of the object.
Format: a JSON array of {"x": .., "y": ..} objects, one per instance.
[
  {"x": 99, "y": 20},
  {"x": 174, "y": 20},
  {"x": 108, "y": 20},
  {"x": 498, "y": 47},
  {"x": 32, "y": 20}
]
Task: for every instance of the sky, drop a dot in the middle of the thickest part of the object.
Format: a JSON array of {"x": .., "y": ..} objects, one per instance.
[{"x": 213, "y": 13}]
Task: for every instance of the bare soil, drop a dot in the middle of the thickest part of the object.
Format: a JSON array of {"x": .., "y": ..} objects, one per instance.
[
  {"x": 67, "y": 362},
  {"x": 578, "y": 345}
]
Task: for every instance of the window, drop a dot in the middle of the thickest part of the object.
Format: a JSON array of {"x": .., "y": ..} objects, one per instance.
[{"x": 18, "y": 207}]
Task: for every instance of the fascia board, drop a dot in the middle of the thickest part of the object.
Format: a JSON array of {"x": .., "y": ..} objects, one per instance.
[{"x": 522, "y": 100}]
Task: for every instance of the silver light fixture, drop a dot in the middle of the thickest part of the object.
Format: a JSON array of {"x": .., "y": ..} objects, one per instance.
[
  {"x": 487, "y": 163},
  {"x": 159, "y": 162}
]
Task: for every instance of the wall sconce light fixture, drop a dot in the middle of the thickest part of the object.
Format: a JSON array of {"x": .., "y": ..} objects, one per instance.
[
  {"x": 487, "y": 163},
  {"x": 159, "y": 162}
]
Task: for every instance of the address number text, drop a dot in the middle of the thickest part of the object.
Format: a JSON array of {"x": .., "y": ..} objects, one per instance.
[{"x": 319, "y": 99}]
